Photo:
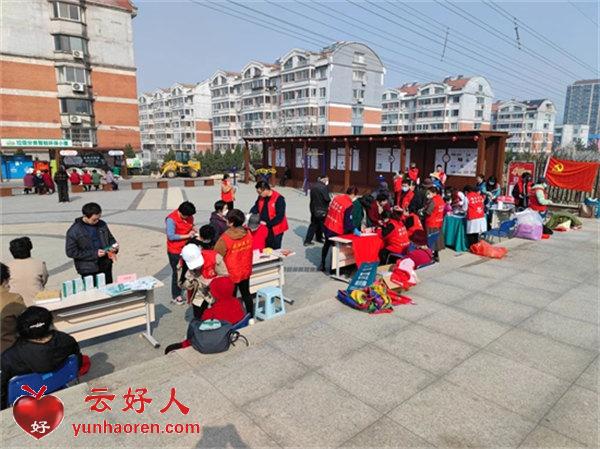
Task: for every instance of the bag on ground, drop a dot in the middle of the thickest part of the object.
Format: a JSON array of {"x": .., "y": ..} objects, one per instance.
[
  {"x": 212, "y": 336},
  {"x": 484, "y": 249}
]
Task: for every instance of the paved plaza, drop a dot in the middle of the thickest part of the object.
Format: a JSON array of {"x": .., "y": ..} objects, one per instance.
[{"x": 494, "y": 353}]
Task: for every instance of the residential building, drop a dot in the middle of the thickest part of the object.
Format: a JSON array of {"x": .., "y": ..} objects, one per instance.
[
  {"x": 582, "y": 105},
  {"x": 67, "y": 72},
  {"x": 530, "y": 123},
  {"x": 175, "y": 118},
  {"x": 331, "y": 92},
  {"x": 454, "y": 104},
  {"x": 567, "y": 135}
]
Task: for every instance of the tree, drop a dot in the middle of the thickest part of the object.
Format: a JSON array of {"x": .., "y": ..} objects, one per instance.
[
  {"x": 170, "y": 156},
  {"x": 19, "y": 152},
  {"x": 128, "y": 150}
]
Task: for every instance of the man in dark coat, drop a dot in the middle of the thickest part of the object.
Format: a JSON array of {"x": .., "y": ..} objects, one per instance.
[
  {"x": 319, "y": 203},
  {"x": 90, "y": 243},
  {"x": 61, "y": 178}
]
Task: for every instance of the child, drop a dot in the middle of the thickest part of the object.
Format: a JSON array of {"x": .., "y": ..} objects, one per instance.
[
  {"x": 259, "y": 232},
  {"x": 96, "y": 179}
]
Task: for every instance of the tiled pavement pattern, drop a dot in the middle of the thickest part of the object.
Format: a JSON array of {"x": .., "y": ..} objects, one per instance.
[{"x": 494, "y": 354}]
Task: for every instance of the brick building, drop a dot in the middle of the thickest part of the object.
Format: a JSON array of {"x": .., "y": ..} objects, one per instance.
[{"x": 67, "y": 71}]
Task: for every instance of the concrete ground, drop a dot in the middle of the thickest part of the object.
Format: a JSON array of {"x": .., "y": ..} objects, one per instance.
[{"x": 495, "y": 353}]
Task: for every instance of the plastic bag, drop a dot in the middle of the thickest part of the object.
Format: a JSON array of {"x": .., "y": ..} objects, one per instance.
[
  {"x": 484, "y": 249},
  {"x": 529, "y": 231},
  {"x": 404, "y": 274}
]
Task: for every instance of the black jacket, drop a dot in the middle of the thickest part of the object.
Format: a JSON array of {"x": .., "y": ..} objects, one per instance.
[
  {"x": 61, "y": 177},
  {"x": 25, "y": 357},
  {"x": 319, "y": 200},
  {"x": 418, "y": 201},
  {"x": 79, "y": 246},
  {"x": 264, "y": 215}
]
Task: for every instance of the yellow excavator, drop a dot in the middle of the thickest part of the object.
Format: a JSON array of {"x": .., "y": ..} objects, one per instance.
[{"x": 181, "y": 166}]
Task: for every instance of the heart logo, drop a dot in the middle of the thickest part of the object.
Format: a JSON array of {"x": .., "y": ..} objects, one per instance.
[{"x": 38, "y": 415}]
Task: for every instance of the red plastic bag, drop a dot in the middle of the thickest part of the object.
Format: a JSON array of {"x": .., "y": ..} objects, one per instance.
[{"x": 484, "y": 249}]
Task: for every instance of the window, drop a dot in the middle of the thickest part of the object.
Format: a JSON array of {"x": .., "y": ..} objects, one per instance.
[
  {"x": 357, "y": 112},
  {"x": 357, "y": 130},
  {"x": 425, "y": 91},
  {"x": 479, "y": 100},
  {"x": 479, "y": 113},
  {"x": 359, "y": 58},
  {"x": 358, "y": 93},
  {"x": 79, "y": 134},
  {"x": 313, "y": 160},
  {"x": 288, "y": 64},
  {"x": 359, "y": 75},
  {"x": 63, "y": 42},
  {"x": 322, "y": 111},
  {"x": 322, "y": 72},
  {"x": 67, "y": 74},
  {"x": 337, "y": 159},
  {"x": 454, "y": 112},
  {"x": 67, "y": 11},
  {"x": 279, "y": 157},
  {"x": 75, "y": 106},
  {"x": 322, "y": 92}
]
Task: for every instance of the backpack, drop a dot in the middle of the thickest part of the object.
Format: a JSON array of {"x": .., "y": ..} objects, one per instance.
[{"x": 212, "y": 336}]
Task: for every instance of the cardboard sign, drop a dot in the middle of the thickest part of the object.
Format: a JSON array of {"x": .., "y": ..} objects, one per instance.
[{"x": 364, "y": 276}]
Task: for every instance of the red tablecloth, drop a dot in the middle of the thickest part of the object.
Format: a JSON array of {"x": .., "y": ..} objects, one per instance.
[{"x": 366, "y": 248}]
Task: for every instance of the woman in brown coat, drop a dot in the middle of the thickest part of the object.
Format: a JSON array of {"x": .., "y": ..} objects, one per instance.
[{"x": 11, "y": 306}]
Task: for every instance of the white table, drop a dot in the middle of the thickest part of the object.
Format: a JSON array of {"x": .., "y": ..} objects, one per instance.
[
  {"x": 95, "y": 313},
  {"x": 268, "y": 271},
  {"x": 342, "y": 255}
]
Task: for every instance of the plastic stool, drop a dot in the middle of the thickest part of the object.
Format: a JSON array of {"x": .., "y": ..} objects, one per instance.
[{"x": 269, "y": 303}]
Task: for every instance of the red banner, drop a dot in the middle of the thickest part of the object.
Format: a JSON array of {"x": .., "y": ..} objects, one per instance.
[
  {"x": 515, "y": 170},
  {"x": 572, "y": 175}
]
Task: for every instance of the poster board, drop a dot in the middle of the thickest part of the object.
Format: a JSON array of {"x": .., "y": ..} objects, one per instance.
[
  {"x": 457, "y": 161},
  {"x": 515, "y": 170},
  {"x": 279, "y": 157},
  {"x": 387, "y": 160},
  {"x": 313, "y": 160},
  {"x": 337, "y": 159}
]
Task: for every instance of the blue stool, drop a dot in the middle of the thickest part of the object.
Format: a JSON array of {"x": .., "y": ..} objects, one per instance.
[{"x": 269, "y": 303}]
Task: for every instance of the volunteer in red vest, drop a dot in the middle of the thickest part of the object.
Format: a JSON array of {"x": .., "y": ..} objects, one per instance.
[
  {"x": 407, "y": 193},
  {"x": 180, "y": 228},
  {"x": 538, "y": 197},
  {"x": 395, "y": 235},
  {"x": 476, "y": 222},
  {"x": 270, "y": 206},
  {"x": 338, "y": 220},
  {"x": 235, "y": 245},
  {"x": 398, "y": 179},
  {"x": 434, "y": 218},
  {"x": 413, "y": 173},
  {"x": 520, "y": 192},
  {"x": 412, "y": 222},
  {"x": 227, "y": 192}
]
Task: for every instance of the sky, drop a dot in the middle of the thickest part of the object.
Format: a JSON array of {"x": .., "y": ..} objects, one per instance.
[{"x": 188, "y": 40}]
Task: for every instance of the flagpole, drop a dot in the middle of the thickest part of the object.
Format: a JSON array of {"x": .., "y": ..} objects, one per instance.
[{"x": 547, "y": 163}]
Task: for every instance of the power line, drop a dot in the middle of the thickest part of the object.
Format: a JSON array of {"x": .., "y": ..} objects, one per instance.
[
  {"x": 452, "y": 7},
  {"x": 583, "y": 13},
  {"x": 503, "y": 12}
]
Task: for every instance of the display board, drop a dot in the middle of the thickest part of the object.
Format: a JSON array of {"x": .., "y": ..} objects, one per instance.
[
  {"x": 387, "y": 160},
  {"x": 457, "y": 161},
  {"x": 313, "y": 160},
  {"x": 279, "y": 157},
  {"x": 337, "y": 159}
]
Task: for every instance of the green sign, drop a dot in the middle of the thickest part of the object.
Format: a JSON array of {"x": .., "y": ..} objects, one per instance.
[{"x": 47, "y": 143}]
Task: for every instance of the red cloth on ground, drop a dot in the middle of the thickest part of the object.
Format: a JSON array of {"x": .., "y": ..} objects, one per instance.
[
  {"x": 421, "y": 257},
  {"x": 366, "y": 248},
  {"x": 226, "y": 306}
]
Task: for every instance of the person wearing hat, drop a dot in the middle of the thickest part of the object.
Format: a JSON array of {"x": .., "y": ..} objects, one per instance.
[
  {"x": 259, "y": 232},
  {"x": 538, "y": 197},
  {"x": 28, "y": 276},
  {"x": 38, "y": 349}
]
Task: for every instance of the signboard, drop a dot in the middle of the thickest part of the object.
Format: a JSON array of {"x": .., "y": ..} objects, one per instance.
[
  {"x": 387, "y": 160},
  {"x": 133, "y": 162},
  {"x": 337, "y": 159},
  {"x": 364, "y": 276},
  {"x": 68, "y": 152},
  {"x": 116, "y": 153},
  {"x": 515, "y": 170},
  {"x": 42, "y": 143},
  {"x": 457, "y": 161}
]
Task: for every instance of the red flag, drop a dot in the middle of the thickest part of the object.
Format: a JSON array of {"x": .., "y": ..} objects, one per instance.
[{"x": 573, "y": 175}]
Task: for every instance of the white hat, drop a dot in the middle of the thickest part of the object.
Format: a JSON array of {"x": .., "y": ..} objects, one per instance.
[{"x": 192, "y": 256}]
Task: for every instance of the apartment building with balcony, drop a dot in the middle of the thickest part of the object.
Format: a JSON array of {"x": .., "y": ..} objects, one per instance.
[
  {"x": 454, "y": 104},
  {"x": 175, "y": 118},
  {"x": 530, "y": 124},
  {"x": 582, "y": 105},
  {"x": 67, "y": 71},
  {"x": 331, "y": 92}
]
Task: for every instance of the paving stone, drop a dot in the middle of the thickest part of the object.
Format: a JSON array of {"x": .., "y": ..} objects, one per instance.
[
  {"x": 317, "y": 344},
  {"x": 521, "y": 294},
  {"x": 421, "y": 308},
  {"x": 576, "y": 416},
  {"x": 525, "y": 391},
  {"x": 311, "y": 412},
  {"x": 543, "y": 282},
  {"x": 466, "y": 281},
  {"x": 399, "y": 380},
  {"x": 576, "y": 308},
  {"x": 542, "y": 437},
  {"x": 544, "y": 354},
  {"x": 427, "y": 349},
  {"x": 490, "y": 268},
  {"x": 439, "y": 292},
  {"x": 495, "y": 309},
  {"x": 366, "y": 326},
  {"x": 586, "y": 291},
  {"x": 589, "y": 378},
  {"x": 474, "y": 330},
  {"x": 450, "y": 416},
  {"x": 251, "y": 374},
  {"x": 386, "y": 433},
  {"x": 578, "y": 333}
]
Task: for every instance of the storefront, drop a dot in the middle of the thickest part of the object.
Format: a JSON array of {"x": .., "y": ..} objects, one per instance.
[{"x": 361, "y": 160}]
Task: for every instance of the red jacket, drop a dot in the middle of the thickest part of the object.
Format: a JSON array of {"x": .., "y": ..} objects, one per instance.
[
  {"x": 238, "y": 256},
  {"x": 226, "y": 196},
  {"x": 75, "y": 179},
  {"x": 87, "y": 178},
  {"x": 413, "y": 174},
  {"x": 210, "y": 264},
  {"x": 476, "y": 208},
  {"x": 182, "y": 227},
  {"x": 374, "y": 214},
  {"x": 226, "y": 306},
  {"x": 259, "y": 237},
  {"x": 404, "y": 199}
]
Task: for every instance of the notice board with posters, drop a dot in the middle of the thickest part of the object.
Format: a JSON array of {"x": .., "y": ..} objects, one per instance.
[
  {"x": 387, "y": 160},
  {"x": 457, "y": 161},
  {"x": 516, "y": 170}
]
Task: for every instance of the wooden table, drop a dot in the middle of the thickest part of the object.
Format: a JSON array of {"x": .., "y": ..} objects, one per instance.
[
  {"x": 342, "y": 255},
  {"x": 95, "y": 313},
  {"x": 268, "y": 271}
]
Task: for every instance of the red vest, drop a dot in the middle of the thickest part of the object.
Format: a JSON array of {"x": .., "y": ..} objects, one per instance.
[
  {"x": 533, "y": 201},
  {"x": 181, "y": 227},
  {"x": 281, "y": 227},
  {"x": 475, "y": 209},
  {"x": 210, "y": 263},
  {"x": 397, "y": 240},
  {"x": 227, "y": 196},
  {"x": 334, "y": 221},
  {"x": 238, "y": 257},
  {"x": 417, "y": 226},
  {"x": 405, "y": 198},
  {"x": 436, "y": 218},
  {"x": 413, "y": 174}
]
